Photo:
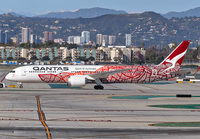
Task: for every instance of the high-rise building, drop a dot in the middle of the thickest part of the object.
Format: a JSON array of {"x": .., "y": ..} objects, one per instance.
[
  {"x": 128, "y": 39},
  {"x": 105, "y": 38},
  {"x": 78, "y": 40},
  {"x": 0, "y": 36},
  {"x": 4, "y": 37},
  {"x": 33, "y": 39},
  {"x": 99, "y": 39},
  {"x": 112, "y": 40},
  {"x": 46, "y": 36},
  {"x": 25, "y": 35},
  {"x": 71, "y": 39},
  {"x": 50, "y": 36},
  {"x": 75, "y": 40},
  {"x": 86, "y": 36}
]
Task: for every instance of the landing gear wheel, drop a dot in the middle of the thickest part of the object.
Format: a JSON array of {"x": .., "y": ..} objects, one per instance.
[
  {"x": 20, "y": 86},
  {"x": 1, "y": 85},
  {"x": 98, "y": 87},
  {"x": 101, "y": 87}
]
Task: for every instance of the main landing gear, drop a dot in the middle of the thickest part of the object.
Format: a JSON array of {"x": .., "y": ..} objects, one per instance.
[
  {"x": 21, "y": 86},
  {"x": 100, "y": 87}
]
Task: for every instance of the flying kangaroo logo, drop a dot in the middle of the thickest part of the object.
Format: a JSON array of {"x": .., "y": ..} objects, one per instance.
[{"x": 174, "y": 60}]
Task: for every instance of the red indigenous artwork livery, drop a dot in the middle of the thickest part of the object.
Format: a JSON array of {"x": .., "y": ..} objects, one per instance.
[
  {"x": 80, "y": 75},
  {"x": 133, "y": 74}
]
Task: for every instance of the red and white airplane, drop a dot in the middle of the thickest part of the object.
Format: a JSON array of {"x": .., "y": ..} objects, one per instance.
[{"x": 80, "y": 75}]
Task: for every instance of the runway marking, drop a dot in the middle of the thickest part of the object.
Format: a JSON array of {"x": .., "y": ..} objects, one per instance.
[
  {"x": 97, "y": 94},
  {"x": 149, "y": 87},
  {"x": 176, "y": 124},
  {"x": 7, "y": 135},
  {"x": 42, "y": 118},
  {"x": 142, "y": 91},
  {"x": 79, "y": 120},
  {"x": 17, "y": 110},
  {"x": 106, "y": 135},
  {"x": 115, "y": 87}
]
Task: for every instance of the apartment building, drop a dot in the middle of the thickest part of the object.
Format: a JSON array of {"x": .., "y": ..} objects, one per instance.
[{"x": 111, "y": 53}]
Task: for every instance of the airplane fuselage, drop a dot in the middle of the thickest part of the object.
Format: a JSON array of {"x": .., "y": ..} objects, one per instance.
[
  {"x": 80, "y": 75},
  {"x": 60, "y": 73}
]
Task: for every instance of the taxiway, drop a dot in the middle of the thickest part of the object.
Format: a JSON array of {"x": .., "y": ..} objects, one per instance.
[{"x": 36, "y": 111}]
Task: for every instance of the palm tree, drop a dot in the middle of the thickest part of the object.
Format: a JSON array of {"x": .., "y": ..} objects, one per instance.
[{"x": 46, "y": 58}]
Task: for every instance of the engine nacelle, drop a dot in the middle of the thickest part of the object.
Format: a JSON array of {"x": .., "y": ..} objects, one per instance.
[{"x": 77, "y": 81}]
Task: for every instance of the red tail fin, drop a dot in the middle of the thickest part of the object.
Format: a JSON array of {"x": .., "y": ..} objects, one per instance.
[{"x": 175, "y": 58}]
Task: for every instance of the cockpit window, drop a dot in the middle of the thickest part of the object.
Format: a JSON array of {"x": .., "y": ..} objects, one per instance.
[{"x": 12, "y": 71}]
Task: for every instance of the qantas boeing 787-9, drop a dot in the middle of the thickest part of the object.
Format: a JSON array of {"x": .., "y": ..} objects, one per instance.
[{"x": 80, "y": 75}]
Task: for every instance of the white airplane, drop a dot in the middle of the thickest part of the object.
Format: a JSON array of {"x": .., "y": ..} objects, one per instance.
[{"x": 80, "y": 75}]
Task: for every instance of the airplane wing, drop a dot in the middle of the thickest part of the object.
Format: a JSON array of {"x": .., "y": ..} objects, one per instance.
[{"x": 105, "y": 74}]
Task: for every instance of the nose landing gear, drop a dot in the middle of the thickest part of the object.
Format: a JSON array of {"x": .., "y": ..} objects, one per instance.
[{"x": 20, "y": 85}]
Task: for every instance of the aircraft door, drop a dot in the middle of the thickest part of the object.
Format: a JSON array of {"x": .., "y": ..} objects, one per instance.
[{"x": 23, "y": 72}]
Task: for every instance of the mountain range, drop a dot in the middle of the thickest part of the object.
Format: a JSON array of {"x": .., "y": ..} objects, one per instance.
[
  {"x": 95, "y": 12},
  {"x": 188, "y": 13},
  {"x": 148, "y": 27},
  {"x": 84, "y": 13}
]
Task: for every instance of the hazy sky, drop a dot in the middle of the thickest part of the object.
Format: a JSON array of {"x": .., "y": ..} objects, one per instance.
[{"x": 44, "y": 6}]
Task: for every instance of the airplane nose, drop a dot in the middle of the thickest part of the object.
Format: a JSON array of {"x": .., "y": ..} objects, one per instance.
[{"x": 8, "y": 76}]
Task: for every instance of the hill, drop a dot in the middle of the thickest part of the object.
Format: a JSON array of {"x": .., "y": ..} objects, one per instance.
[
  {"x": 188, "y": 13},
  {"x": 148, "y": 27},
  {"x": 84, "y": 13}
]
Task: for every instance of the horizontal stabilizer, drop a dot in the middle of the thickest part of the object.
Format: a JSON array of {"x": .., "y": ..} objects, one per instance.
[{"x": 181, "y": 72}]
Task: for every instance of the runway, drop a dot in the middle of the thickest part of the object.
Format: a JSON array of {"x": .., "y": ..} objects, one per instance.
[{"x": 38, "y": 112}]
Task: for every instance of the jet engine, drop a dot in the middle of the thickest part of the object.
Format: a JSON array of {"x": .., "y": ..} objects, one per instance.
[{"x": 77, "y": 81}]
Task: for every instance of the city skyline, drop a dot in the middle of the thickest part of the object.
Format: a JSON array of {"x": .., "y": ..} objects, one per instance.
[{"x": 131, "y": 6}]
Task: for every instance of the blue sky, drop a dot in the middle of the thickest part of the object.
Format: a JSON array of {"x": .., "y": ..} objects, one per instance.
[{"x": 44, "y": 6}]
